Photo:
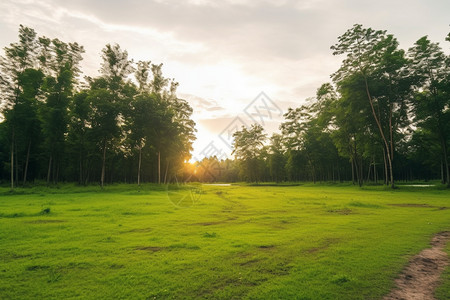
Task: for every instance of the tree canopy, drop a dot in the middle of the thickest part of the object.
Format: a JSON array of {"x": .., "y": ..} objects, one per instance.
[{"x": 125, "y": 125}]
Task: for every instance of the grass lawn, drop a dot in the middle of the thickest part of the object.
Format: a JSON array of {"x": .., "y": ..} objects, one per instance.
[{"x": 285, "y": 242}]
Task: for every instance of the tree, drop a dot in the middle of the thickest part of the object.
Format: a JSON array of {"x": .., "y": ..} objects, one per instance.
[
  {"x": 26, "y": 110},
  {"x": 82, "y": 128},
  {"x": 373, "y": 55},
  {"x": 248, "y": 145},
  {"x": 62, "y": 63},
  {"x": 107, "y": 96},
  {"x": 18, "y": 58},
  {"x": 139, "y": 123},
  {"x": 79, "y": 137},
  {"x": 351, "y": 129},
  {"x": 277, "y": 159},
  {"x": 432, "y": 95}
]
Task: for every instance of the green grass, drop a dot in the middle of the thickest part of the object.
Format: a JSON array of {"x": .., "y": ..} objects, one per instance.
[{"x": 227, "y": 242}]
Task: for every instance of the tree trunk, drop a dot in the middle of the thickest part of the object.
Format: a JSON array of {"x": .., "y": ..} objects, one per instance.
[
  {"x": 353, "y": 170},
  {"x": 361, "y": 176},
  {"x": 167, "y": 170},
  {"x": 314, "y": 173},
  {"x": 16, "y": 162},
  {"x": 375, "y": 175},
  {"x": 86, "y": 179},
  {"x": 447, "y": 171},
  {"x": 139, "y": 166},
  {"x": 385, "y": 168},
  {"x": 358, "y": 169},
  {"x": 26, "y": 164},
  {"x": 391, "y": 170},
  {"x": 12, "y": 160},
  {"x": 80, "y": 180},
  {"x": 332, "y": 176},
  {"x": 339, "y": 171},
  {"x": 159, "y": 167},
  {"x": 49, "y": 169},
  {"x": 383, "y": 137},
  {"x": 57, "y": 172},
  {"x": 102, "y": 179},
  {"x": 368, "y": 173}
]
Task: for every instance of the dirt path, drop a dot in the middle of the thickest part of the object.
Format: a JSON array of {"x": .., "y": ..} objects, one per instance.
[{"x": 421, "y": 277}]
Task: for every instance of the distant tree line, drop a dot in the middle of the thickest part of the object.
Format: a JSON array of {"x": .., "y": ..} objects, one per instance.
[
  {"x": 126, "y": 125},
  {"x": 384, "y": 117}
]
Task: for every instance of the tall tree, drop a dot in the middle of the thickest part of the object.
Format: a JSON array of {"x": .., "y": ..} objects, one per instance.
[
  {"x": 277, "y": 159},
  {"x": 108, "y": 95},
  {"x": 59, "y": 86},
  {"x": 248, "y": 147},
  {"x": 431, "y": 70},
  {"x": 373, "y": 55},
  {"x": 18, "y": 57}
]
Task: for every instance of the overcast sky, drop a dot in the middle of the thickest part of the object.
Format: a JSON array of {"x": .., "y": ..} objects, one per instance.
[{"x": 225, "y": 53}]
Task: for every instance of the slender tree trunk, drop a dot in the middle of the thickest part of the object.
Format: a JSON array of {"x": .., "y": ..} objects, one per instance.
[
  {"x": 80, "y": 180},
  {"x": 332, "y": 177},
  {"x": 54, "y": 168},
  {"x": 167, "y": 170},
  {"x": 26, "y": 163},
  {"x": 16, "y": 159},
  {"x": 447, "y": 171},
  {"x": 139, "y": 166},
  {"x": 361, "y": 176},
  {"x": 12, "y": 160},
  {"x": 353, "y": 170},
  {"x": 339, "y": 171},
  {"x": 358, "y": 171},
  {"x": 386, "y": 182},
  {"x": 102, "y": 179},
  {"x": 86, "y": 179},
  {"x": 375, "y": 175},
  {"x": 368, "y": 173},
  {"x": 57, "y": 172},
  {"x": 383, "y": 137},
  {"x": 391, "y": 170},
  {"x": 314, "y": 174},
  {"x": 391, "y": 132},
  {"x": 392, "y": 146},
  {"x": 159, "y": 167},
  {"x": 49, "y": 169}
]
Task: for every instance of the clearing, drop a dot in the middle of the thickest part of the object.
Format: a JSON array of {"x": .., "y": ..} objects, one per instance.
[{"x": 232, "y": 242}]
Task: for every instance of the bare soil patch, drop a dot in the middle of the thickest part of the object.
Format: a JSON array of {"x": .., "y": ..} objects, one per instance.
[
  {"x": 214, "y": 222},
  {"x": 421, "y": 276},
  {"x": 412, "y": 205},
  {"x": 147, "y": 229},
  {"x": 44, "y": 221},
  {"x": 325, "y": 245},
  {"x": 266, "y": 247},
  {"x": 419, "y": 205},
  {"x": 344, "y": 211},
  {"x": 151, "y": 249}
]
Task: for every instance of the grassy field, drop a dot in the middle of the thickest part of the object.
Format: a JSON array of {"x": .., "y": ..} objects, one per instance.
[{"x": 291, "y": 242}]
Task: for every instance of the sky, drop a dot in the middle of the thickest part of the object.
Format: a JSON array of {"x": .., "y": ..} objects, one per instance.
[{"x": 238, "y": 62}]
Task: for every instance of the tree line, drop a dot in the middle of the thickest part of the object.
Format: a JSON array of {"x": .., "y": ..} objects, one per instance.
[
  {"x": 384, "y": 117},
  {"x": 125, "y": 125}
]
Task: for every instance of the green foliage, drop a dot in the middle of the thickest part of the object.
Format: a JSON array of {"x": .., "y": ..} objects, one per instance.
[
  {"x": 248, "y": 147},
  {"x": 57, "y": 129}
]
